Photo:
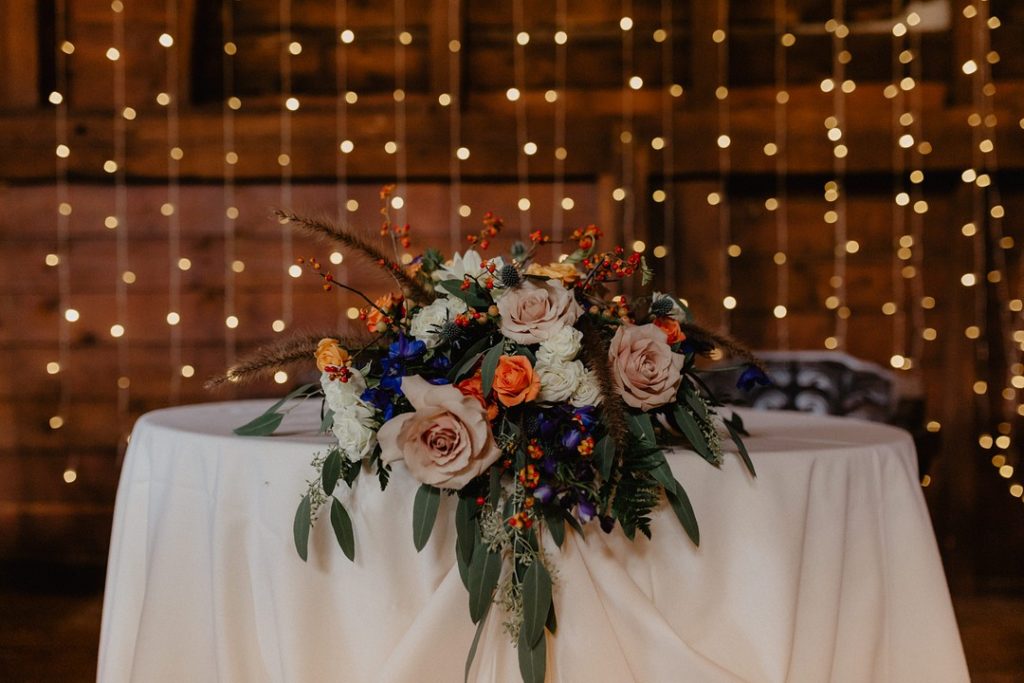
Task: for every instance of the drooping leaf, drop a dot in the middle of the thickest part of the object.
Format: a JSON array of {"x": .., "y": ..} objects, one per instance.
[
  {"x": 691, "y": 430},
  {"x": 536, "y": 601},
  {"x": 476, "y": 641},
  {"x": 552, "y": 623},
  {"x": 264, "y": 425},
  {"x": 489, "y": 365},
  {"x": 302, "y": 391},
  {"x": 331, "y": 471},
  {"x": 640, "y": 425},
  {"x": 662, "y": 473},
  {"x": 696, "y": 405},
  {"x": 484, "y": 571},
  {"x": 523, "y": 350},
  {"x": 463, "y": 566},
  {"x": 465, "y": 529},
  {"x": 342, "y": 525},
  {"x": 740, "y": 446},
  {"x": 737, "y": 423},
  {"x": 424, "y": 512},
  {"x": 300, "y": 528},
  {"x": 680, "y": 503},
  {"x": 494, "y": 487},
  {"x": 556, "y": 526},
  {"x": 604, "y": 455},
  {"x": 469, "y": 358},
  {"x": 327, "y": 421},
  {"x": 532, "y": 658},
  {"x": 475, "y": 295}
]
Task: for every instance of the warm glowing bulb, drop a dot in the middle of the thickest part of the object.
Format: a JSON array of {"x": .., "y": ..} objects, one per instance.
[
  {"x": 347, "y": 36},
  {"x": 231, "y": 322},
  {"x": 277, "y": 326},
  {"x": 166, "y": 39},
  {"x": 71, "y": 315},
  {"x": 173, "y": 318},
  {"x": 280, "y": 376},
  {"x": 187, "y": 371}
]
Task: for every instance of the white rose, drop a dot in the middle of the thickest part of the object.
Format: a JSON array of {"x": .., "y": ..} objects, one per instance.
[
  {"x": 427, "y": 322},
  {"x": 588, "y": 391},
  {"x": 558, "y": 381},
  {"x": 560, "y": 347},
  {"x": 355, "y": 438},
  {"x": 341, "y": 395}
]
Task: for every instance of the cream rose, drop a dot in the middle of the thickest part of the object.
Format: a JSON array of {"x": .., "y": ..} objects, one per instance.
[
  {"x": 354, "y": 432},
  {"x": 558, "y": 380},
  {"x": 446, "y": 442},
  {"x": 561, "y": 346},
  {"x": 341, "y": 395},
  {"x": 646, "y": 372},
  {"x": 426, "y": 323},
  {"x": 588, "y": 391},
  {"x": 535, "y": 311}
]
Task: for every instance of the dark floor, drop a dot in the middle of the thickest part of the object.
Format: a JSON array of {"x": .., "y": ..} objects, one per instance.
[{"x": 46, "y": 637}]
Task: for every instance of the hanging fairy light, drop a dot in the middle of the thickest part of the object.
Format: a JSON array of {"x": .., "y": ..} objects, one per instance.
[
  {"x": 664, "y": 143},
  {"x": 900, "y": 120},
  {"x": 720, "y": 197},
  {"x": 835, "y": 189},
  {"x": 232, "y": 264},
  {"x": 177, "y": 263},
  {"x": 779, "y": 150},
  {"x": 561, "y": 203},
  {"x": 345, "y": 146},
  {"x": 118, "y": 222},
  {"x": 624, "y": 194},
  {"x": 61, "y": 258},
  {"x": 289, "y": 103},
  {"x": 517, "y": 95},
  {"x": 399, "y": 200},
  {"x": 453, "y": 101},
  {"x": 912, "y": 272}
]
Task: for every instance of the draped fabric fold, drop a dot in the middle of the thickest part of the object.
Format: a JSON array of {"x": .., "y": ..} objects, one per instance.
[{"x": 824, "y": 568}]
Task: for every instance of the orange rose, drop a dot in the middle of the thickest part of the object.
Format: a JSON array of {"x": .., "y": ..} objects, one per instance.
[
  {"x": 515, "y": 381},
  {"x": 473, "y": 386},
  {"x": 329, "y": 354},
  {"x": 670, "y": 326},
  {"x": 375, "y": 320}
]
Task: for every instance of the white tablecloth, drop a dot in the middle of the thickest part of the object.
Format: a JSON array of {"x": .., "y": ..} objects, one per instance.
[{"x": 824, "y": 568}]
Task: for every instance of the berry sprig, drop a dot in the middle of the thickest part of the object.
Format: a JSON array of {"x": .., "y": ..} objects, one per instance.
[{"x": 492, "y": 226}]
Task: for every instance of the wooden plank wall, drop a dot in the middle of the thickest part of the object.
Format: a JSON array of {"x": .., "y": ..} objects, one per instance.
[{"x": 41, "y": 515}]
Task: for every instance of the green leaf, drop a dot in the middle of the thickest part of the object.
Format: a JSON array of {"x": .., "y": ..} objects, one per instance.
[
  {"x": 640, "y": 425},
  {"x": 684, "y": 511},
  {"x": 476, "y": 296},
  {"x": 295, "y": 393},
  {"x": 536, "y": 601},
  {"x": 327, "y": 421},
  {"x": 469, "y": 358},
  {"x": 552, "y": 623},
  {"x": 264, "y": 425},
  {"x": 696, "y": 405},
  {"x": 573, "y": 522},
  {"x": 737, "y": 422},
  {"x": 489, "y": 365},
  {"x": 494, "y": 487},
  {"x": 424, "y": 512},
  {"x": 523, "y": 350},
  {"x": 556, "y": 526},
  {"x": 465, "y": 529},
  {"x": 532, "y": 658},
  {"x": 342, "y": 525},
  {"x": 740, "y": 446},
  {"x": 331, "y": 471},
  {"x": 476, "y": 640},
  {"x": 576, "y": 256},
  {"x": 604, "y": 455},
  {"x": 646, "y": 272},
  {"x": 300, "y": 529},
  {"x": 484, "y": 570},
  {"x": 662, "y": 473},
  {"x": 691, "y": 430}
]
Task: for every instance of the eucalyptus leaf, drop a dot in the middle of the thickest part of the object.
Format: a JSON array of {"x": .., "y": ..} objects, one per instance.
[
  {"x": 264, "y": 425},
  {"x": 604, "y": 455},
  {"x": 494, "y": 487},
  {"x": 536, "y": 602},
  {"x": 552, "y": 623},
  {"x": 476, "y": 296},
  {"x": 737, "y": 422},
  {"x": 484, "y": 570},
  {"x": 680, "y": 503},
  {"x": 465, "y": 529},
  {"x": 556, "y": 526},
  {"x": 692, "y": 431},
  {"x": 524, "y": 350},
  {"x": 532, "y": 658},
  {"x": 469, "y": 358},
  {"x": 696, "y": 405},
  {"x": 741, "y": 447},
  {"x": 424, "y": 512},
  {"x": 476, "y": 640},
  {"x": 331, "y": 471},
  {"x": 302, "y": 391},
  {"x": 327, "y": 421},
  {"x": 463, "y": 569},
  {"x": 641, "y": 426},
  {"x": 490, "y": 364},
  {"x": 342, "y": 525},
  {"x": 300, "y": 528}
]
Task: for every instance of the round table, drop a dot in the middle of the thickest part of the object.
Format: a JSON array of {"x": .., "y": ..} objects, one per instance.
[{"x": 823, "y": 568}]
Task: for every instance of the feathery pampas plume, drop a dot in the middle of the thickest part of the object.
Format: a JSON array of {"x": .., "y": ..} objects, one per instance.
[
  {"x": 327, "y": 230},
  {"x": 719, "y": 340},
  {"x": 269, "y": 359}
]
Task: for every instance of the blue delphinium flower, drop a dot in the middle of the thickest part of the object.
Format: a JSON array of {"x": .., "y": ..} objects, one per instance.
[{"x": 751, "y": 376}]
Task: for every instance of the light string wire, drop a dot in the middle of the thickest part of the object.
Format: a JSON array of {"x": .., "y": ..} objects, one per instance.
[
  {"x": 120, "y": 223},
  {"x": 454, "y": 104},
  {"x": 172, "y": 208},
  {"x": 345, "y": 37},
  {"x": 289, "y": 104},
  {"x": 897, "y": 306},
  {"x": 61, "y": 260},
  {"x": 914, "y": 271},
  {"x": 835, "y": 190},
  {"x": 989, "y": 241},
  {"x": 780, "y": 203},
  {"x": 400, "y": 200},
  {"x": 721, "y": 38},
  {"x": 232, "y": 265},
  {"x": 519, "y": 102},
  {"x": 560, "y": 203},
  {"x": 667, "y": 145},
  {"x": 630, "y": 83}
]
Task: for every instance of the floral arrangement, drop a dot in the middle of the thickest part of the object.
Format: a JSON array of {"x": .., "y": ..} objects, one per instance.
[{"x": 520, "y": 388}]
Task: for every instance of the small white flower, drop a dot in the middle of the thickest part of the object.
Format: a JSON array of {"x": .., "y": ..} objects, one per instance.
[
  {"x": 562, "y": 346},
  {"x": 588, "y": 391},
  {"x": 340, "y": 395},
  {"x": 427, "y": 322},
  {"x": 355, "y": 438},
  {"x": 461, "y": 265},
  {"x": 558, "y": 381}
]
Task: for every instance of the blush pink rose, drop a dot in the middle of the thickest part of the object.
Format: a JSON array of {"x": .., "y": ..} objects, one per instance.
[
  {"x": 534, "y": 311},
  {"x": 446, "y": 442},
  {"x": 646, "y": 372}
]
